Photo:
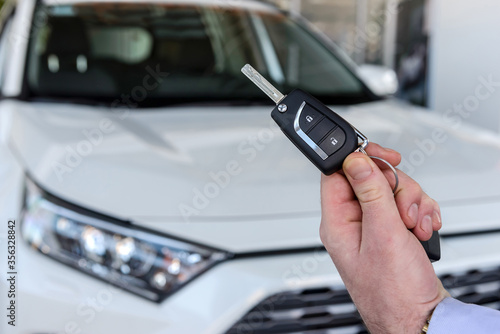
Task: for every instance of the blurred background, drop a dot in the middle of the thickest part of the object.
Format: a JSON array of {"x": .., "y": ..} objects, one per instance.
[{"x": 439, "y": 49}]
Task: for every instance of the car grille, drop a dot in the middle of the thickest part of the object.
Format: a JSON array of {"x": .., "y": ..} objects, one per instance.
[{"x": 330, "y": 310}]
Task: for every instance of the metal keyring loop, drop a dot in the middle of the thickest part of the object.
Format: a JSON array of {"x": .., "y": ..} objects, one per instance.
[{"x": 390, "y": 166}]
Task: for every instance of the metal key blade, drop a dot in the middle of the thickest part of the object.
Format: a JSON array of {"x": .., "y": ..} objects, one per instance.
[{"x": 262, "y": 83}]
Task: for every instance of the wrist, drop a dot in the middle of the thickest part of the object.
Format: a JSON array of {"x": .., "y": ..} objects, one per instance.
[
  {"x": 397, "y": 320},
  {"x": 442, "y": 295}
]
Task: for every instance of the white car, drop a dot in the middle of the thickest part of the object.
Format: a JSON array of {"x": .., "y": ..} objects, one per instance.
[{"x": 150, "y": 191}]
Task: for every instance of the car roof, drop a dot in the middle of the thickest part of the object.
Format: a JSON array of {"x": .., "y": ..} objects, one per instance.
[{"x": 247, "y": 4}]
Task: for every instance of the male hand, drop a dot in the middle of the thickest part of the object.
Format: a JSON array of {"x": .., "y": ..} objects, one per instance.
[{"x": 365, "y": 229}]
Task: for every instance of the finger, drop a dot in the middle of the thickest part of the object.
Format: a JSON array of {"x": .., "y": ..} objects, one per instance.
[
  {"x": 340, "y": 229},
  {"x": 408, "y": 198},
  {"x": 338, "y": 202},
  {"x": 414, "y": 204},
  {"x": 391, "y": 156},
  {"x": 429, "y": 218},
  {"x": 335, "y": 189},
  {"x": 374, "y": 195}
]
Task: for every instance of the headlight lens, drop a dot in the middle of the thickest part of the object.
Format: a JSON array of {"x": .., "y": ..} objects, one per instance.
[{"x": 139, "y": 261}]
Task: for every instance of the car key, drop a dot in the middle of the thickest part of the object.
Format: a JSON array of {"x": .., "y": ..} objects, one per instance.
[{"x": 324, "y": 137}]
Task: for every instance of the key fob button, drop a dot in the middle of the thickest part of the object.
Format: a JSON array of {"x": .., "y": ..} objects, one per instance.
[
  {"x": 309, "y": 118},
  {"x": 324, "y": 127},
  {"x": 333, "y": 142}
]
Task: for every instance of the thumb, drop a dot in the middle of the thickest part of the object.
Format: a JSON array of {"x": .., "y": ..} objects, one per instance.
[{"x": 374, "y": 194}]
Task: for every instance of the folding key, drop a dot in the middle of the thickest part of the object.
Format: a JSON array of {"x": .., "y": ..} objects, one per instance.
[{"x": 324, "y": 137}]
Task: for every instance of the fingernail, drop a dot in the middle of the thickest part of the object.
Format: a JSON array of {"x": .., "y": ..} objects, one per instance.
[
  {"x": 358, "y": 168},
  {"x": 413, "y": 212},
  {"x": 427, "y": 224},
  {"x": 438, "y": 218}
]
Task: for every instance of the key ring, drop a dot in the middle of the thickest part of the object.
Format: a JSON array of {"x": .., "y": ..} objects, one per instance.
[{"x": 390, "y": 166}]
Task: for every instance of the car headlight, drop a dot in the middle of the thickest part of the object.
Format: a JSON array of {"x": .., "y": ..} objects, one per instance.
[{"x": 150, "y": 265}]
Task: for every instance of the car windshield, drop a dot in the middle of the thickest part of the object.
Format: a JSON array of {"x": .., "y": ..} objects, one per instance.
[{"x": 154, "y": 54}]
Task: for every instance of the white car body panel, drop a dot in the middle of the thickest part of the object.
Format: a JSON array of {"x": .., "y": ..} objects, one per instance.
[{"x": 276, "y": 187}]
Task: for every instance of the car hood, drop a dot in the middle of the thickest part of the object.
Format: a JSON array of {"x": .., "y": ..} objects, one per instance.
[{"x": 226, "y": 176}]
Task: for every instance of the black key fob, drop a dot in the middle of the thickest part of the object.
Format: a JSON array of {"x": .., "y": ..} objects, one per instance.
[{"x": 324, "y": 137}]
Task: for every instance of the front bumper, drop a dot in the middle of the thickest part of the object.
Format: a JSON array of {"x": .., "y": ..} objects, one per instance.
[{"x": 54, "y": 298}]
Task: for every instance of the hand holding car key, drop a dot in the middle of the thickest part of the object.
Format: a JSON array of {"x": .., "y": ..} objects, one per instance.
[{"x": 324, "y": 137}]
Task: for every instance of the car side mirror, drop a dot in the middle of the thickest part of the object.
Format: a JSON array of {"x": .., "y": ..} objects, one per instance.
[{"x": 381, "y": 80}]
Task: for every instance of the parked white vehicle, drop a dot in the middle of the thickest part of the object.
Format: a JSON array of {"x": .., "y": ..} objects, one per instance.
[{"x": 153, "y": 194}]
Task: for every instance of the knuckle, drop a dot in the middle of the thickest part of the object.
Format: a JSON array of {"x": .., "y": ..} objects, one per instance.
[
  {"x": 428, "y": 203},
  {"x": 370, "y": 195},
  {"x": 408, "y": 187},
  {"x": 436, "y": 206},
  {"x": 414, "y": 188}
]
